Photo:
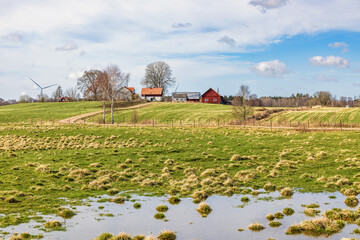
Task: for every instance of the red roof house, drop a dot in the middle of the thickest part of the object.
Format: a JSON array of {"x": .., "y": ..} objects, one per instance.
[
  {"x": 152, "y": 94},
  {"x": 211, "y": 96},
  {"x": 131, "y": 89}
]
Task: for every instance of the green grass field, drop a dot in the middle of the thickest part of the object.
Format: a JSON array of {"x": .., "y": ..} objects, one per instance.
[
  {"x": 26, "y": 112},
  {"x": 44, "y": 167},
  {"x": 326, "y": 115},
  {"x": 167, "y": 112}
]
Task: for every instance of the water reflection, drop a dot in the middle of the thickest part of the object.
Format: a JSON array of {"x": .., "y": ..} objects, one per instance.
[{"x": 227, "y": 216}]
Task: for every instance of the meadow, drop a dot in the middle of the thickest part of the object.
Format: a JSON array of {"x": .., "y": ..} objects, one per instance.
[
  {"x": 45, "y": 165},
  {"x": 319, "y": 115},
  {"x": 166, "y": 113},
  {"x": 47, "y": 111}
]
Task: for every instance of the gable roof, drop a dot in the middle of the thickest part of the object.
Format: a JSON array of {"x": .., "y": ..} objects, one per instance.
[
  {"x": 152, "y": 91},
  {"x": 132, "y": 89},
  {"x": 189, "y": 95},
  {"x": 212, "y": 92}
]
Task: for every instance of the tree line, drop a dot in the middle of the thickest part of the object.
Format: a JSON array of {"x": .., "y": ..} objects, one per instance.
[{"x": 323, "y": 98}]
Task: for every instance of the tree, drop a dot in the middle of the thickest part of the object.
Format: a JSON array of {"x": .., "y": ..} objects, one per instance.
[
  {"x": 112, "y": 82},
  {"x": 58, "y": 93},
  {"x": 158, "y": 75},
  {"x": 323, "y": 97},
  {"x": 72, "y": 93},
  {"x": 241, "y": 107},
  {"x": 89, "y": 84}
]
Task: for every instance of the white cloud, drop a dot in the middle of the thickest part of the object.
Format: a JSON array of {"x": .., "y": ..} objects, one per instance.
[
  {"x": 330, "y": 61},
  {"x": 338, "y": 45},
  {"x": 274, "y": 68},
  {"x": 69, "y": 46},
  {"x": 268, "y": 4},
  {"x": 228, "y": 41},
  {"x": 342, "y": 45}
]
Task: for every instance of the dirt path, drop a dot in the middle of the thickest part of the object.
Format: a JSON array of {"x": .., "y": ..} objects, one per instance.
[{"x": 85, "y": 115}]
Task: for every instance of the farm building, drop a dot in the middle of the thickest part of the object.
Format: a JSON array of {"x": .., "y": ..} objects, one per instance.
[
  {"x": 131, "y": 89},
  {"x": 126, "y": 94},
  {"x": 186, "y": 97},
  {"x": 152, "y": 94},
  {"x": 211, "y": 96}
]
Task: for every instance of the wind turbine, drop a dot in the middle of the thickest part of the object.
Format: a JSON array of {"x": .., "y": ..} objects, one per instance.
[{"x": 42, "y": 88}]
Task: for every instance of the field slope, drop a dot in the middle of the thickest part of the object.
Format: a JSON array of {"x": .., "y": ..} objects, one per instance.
[
  {"x": 163, "y": 112},
  {"x": 324, "y": 115},
  {"x": 25, "y": 112}
]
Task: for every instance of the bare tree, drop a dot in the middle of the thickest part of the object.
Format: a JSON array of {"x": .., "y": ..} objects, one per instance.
[
  {"x": 72, "y": 93},
  {"x": 112, "y": 80},
  {"x": 241, "y": 107},
  {"x": 89, "y": 84},
  {"x": 323, "y": 97},
  {"x": 158, "y": 75}
]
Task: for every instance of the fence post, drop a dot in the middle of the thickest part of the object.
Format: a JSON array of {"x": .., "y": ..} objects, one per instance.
[
  {"x": 340, "y": 126},
  {"x": 180, "y": 123},
  {"x": 271, "y": 124},
  {"x": 153, "y": 122},
  {"x": 290, "y": 123}
]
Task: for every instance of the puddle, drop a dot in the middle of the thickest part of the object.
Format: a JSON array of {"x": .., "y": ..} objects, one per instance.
[{"x": 222, "y": 223}]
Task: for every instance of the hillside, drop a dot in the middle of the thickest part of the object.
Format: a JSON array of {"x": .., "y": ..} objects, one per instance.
[
  {"x": 25, "y": 112},
  {"x": 323, "y": 115},
  {"x": 166, "y": 112}
]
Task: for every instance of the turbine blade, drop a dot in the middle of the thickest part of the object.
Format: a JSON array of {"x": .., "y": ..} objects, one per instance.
[
  {"x": 34, "y": 82},
  {"x": 50, "y": 86}
]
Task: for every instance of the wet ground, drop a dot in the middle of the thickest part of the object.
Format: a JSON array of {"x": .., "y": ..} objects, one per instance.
[{"x": 228, "y": 215}]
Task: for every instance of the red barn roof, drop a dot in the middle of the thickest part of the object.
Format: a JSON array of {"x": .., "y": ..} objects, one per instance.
[
  {"x": 152, "y": 91},
  {"x": 211, "y": 93}
]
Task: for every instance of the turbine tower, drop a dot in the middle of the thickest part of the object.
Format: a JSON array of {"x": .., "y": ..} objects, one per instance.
[{"x": 41, "y": 88}]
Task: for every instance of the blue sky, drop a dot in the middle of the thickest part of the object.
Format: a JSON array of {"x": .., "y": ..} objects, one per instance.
[{"x": 277, "y": 47}]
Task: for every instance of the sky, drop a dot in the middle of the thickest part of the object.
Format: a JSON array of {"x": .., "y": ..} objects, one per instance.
[{"x": 276, "y": 47}]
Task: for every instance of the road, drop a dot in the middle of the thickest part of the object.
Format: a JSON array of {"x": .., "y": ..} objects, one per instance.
[{"x": 74, "y": 119}]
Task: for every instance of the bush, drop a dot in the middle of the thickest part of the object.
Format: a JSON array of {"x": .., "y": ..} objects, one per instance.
[{"x": 167, "y": 235}]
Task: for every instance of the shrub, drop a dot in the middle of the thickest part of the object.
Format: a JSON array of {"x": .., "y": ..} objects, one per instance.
[
  {"x": 66, "y": 213},
  {"x": 174, "y": 200},
  {"x": 167, "y": 235},
  {"x": 311, "y": 212},
  {"x": 118, "y": 199},
  {"x": 351, "y": 201},
  {"x": 204, "y": 209},
  {"x": 288, "y": 211},
  {"x": 245, "y": 199},
  {"x": 274, "y": 224},
  {"x": 122, "y": 236},
  {"x": 104, "y": 236},
  {"x": 279, "y": 215},
  {"x": 269, "y": 187},
  {"x": 159, "y": 216},
  {"x": 317, "y": 227},
  {"x": 162, "y": 208},
  {"x": 256, "y": 227},
  {"x": 287, "y": 192},
  {"x": 52, "y": 224},
  {"x": 137, "y": 205},
  {"x": 270, "y": 217}
]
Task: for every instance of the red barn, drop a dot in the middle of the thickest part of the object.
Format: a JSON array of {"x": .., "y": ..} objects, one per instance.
[{"x": 211, "y": 96}]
